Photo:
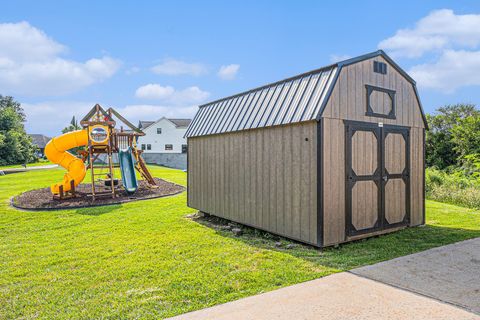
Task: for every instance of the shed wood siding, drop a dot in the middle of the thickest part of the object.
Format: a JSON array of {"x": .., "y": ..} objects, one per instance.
[
  {"x": 348, "y": 101},
  {"x": 265, "y": 178},
  {"x": 253, "y": 157},
  {"x": 416, "y": 177},
  {"x": 349, "y": 96},
  {"x": 333, "y": 181}
]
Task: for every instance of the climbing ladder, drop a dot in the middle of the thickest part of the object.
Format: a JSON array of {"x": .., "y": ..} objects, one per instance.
[{"x": 93, "y": 154}]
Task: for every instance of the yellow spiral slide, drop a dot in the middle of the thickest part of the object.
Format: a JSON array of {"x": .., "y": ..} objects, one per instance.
[{"x": 56, "y": 151}]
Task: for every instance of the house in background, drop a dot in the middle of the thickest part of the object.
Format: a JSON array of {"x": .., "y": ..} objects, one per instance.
[
  {"x": 40, "y": 141},
  {"x": 164, "y": 142}
]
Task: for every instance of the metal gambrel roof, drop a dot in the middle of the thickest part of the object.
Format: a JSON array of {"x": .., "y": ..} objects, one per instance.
[
  {"x": 297, "y": 99},
  {"x": 292, "y": 100}
]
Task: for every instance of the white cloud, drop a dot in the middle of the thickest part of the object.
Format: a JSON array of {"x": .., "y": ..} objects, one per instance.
[
  {"x": 134, "y": 113},
  {"x": 51, "y": 117},
  {"x": 228, "y": 72},
  {"x": 453, "y": 69},
  {"x": 132, "y": 70},
  {"x": 439, "y": 30},
  {"x": 190, "y": 95},
  {"x": 339, "y": 57},
  {"x": 168, "y": 94},
  {"x": 22, "y": 42},
  {"x": 174, "y": 67},
  {"x": 30, "y": 64},
  {"x": 154, "y": 92},
  {"x": 448, "y": 45}
]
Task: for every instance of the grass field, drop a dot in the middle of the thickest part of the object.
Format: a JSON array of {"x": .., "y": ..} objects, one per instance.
[{"x": 146, "y": 260}]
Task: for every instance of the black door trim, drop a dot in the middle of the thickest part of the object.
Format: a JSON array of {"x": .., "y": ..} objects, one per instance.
[
  {"x": 351, "y": 178},
  {"x": 405, "y": 175},
  {"x": 320, "y": 183}
]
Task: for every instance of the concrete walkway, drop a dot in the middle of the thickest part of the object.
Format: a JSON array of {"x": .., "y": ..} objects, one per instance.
[
  {"x": 16, "y": 170},
  {"x": 453, "y": 279}
]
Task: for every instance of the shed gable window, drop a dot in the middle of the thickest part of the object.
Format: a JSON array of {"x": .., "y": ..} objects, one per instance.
[
  {"x": 159, "y": 130},
  {"x": 143, "y": 146},
  {"x": 380, "y": 102},
  {"x": 379, "y": 67},
  {"x": 169, "y": 147},
  {"x": 149, "y": 146}
]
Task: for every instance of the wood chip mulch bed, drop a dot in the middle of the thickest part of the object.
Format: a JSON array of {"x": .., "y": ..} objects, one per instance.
[{"x": 41, "y": 199}]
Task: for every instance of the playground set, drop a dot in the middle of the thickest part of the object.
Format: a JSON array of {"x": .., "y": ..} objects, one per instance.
[{"x": 103, "y": 143}]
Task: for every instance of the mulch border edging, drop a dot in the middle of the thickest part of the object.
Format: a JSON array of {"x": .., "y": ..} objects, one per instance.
[{"x": 13, "y": 205}]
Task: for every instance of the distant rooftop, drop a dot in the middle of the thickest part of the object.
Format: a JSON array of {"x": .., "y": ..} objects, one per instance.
[
  {"x": 39, "y": 140},
  {"x": 143, "y": 124},
  {"x": 179, "y": 123}
]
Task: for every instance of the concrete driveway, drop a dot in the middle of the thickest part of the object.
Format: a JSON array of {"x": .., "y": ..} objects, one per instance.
[
  {"x": 441, "y": 283},
  {"x": 450, "y": 273}
]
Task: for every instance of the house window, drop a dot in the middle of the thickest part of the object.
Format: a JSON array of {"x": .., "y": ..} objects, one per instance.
[
  {"x": 149, "y": 146},
  {"x": 184, "y": 148},
  {"x": 169, "y": 147},
  {"x": 159, "y": 130},
  {"x": 143, "y": 146},
  {"x": 379, "y": 67}
]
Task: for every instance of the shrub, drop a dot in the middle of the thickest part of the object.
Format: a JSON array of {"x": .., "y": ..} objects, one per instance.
[{"x": 453, "y": 187}]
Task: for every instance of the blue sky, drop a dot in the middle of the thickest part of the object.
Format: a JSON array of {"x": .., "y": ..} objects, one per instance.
[{"x": 149, "y": 59}]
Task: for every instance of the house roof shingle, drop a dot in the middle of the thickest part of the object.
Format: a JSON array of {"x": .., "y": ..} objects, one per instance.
[
  {"x": 39, "y": 140},
  {"x": 179, "y": 123},
  {"x": 143, "y": 124}
]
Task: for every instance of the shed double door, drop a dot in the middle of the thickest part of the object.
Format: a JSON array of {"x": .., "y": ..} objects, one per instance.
[{"x": 377, "y": 177}]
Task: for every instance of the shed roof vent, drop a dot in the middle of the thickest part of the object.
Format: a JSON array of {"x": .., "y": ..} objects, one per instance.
[{"x": 379, "y": 67}]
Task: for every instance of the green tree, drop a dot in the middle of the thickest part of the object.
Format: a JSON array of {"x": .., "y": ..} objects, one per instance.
[
  {"x": 466, "y": 137},
  {"x": 72, "y": 127},
  {"x": 471, "y": 165},
  {"x": 15, "y": 145},
  {"x": 441, "y": 149}
]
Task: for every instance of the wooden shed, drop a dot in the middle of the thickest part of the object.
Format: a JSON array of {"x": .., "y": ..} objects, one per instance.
[{"x": 325, "y": 157}]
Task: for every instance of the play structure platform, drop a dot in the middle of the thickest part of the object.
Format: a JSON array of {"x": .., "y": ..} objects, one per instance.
[{"x": 99, "y": 142}]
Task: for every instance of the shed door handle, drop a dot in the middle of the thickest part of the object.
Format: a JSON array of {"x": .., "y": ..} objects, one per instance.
[{"x": 385, "y": 178}]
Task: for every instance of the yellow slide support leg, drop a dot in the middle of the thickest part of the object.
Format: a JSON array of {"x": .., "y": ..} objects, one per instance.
[{"x": 56, "y": 151}]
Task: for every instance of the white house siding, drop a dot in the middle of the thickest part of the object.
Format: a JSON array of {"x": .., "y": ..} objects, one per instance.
[{"x": 171, "y": 134}]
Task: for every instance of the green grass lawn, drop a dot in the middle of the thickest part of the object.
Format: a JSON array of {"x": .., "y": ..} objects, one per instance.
[{"x": 146, "y": 260}]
